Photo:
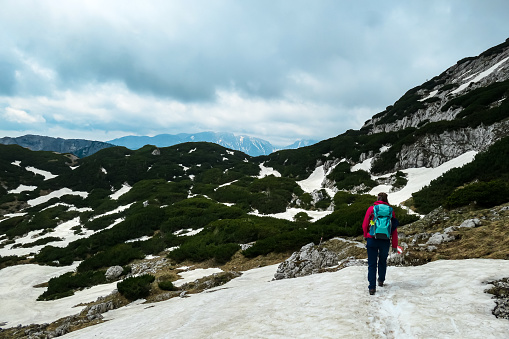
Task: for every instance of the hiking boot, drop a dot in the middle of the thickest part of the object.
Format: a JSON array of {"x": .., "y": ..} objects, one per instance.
[
  {"x": 380, "y": 283},
  {"x": 372, "y": 291}
]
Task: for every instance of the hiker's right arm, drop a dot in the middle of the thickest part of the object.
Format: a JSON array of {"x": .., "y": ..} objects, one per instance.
[{"x": 365, "y": 223}]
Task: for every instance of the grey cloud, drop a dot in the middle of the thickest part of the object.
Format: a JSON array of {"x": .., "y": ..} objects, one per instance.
[
  {"x": 7, "y": 78},
  {"x": 355, "y": 54}
]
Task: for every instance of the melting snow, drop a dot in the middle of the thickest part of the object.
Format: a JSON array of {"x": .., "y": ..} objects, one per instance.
[
  {"x": 187, "y": 232},
  {"x": 290, "y": 213},
  {"x": 420, "y": 177},
  {"x": 431, "y": 95},
  {"x": 123, "y": 190},
  {"x": 266, "y": 171},
  {"x": 480, "y": 76},
  {"x": 138, "y": 239},
  {"x": 442, "y": 299},
  {"x": 365, "y": 166},
  {"x": 47, "y": 175},
  {"x": 55, "y": 194},
  {"x": 22, "y": 188},
  {"x": 116, "y": 210}
]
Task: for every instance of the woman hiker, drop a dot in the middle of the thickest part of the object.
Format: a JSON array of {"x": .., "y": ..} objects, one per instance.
[{"x": 378, "y": 249}]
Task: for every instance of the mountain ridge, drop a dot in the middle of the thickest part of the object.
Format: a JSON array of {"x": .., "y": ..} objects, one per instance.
[
  {"x": 79, "y": 147},
  {"x": 250, "y": 145}
]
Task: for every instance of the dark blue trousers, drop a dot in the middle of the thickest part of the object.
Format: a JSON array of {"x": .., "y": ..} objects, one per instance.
[{"x": 378, "y": 250}]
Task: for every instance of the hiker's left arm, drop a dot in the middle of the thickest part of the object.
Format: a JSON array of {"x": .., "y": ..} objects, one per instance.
[{"x": 394, "y": 236}]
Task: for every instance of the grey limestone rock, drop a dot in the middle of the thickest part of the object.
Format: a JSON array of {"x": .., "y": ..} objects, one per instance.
[
  {"x": 308, "y": 260},
  {"x": 438, "y": 238},
  {"x": 471, "y": 223},
  {"x": 114, "y": 272}
]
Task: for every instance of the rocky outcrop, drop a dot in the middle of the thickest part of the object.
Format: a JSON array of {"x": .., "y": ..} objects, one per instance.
[
  {"x": 467, "y": 75},
  {"x": 432, "y": 150},
  {"x": 432, "y": 102},
  {"x": 308, "y": 260},
  {"x": 500, "y": 290}
]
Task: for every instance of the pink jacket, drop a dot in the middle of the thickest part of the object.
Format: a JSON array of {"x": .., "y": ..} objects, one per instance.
[{"x": 369, "y": 216}]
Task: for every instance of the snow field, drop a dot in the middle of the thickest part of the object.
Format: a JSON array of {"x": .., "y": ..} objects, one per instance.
[{"x": 442, "y": 299}]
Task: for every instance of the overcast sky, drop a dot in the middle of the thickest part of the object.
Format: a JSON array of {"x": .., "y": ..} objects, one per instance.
[{"x": 278, "y": 70}]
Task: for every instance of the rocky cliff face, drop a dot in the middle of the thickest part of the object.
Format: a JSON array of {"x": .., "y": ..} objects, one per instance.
[
  {"x": 467, "y": 75},
  {"x": 432, "y": 150},
  {"x": 437, "y": 100},
  {"x": 79, "y": 147}
]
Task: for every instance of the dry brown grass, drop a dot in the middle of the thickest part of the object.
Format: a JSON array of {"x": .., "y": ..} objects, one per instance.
[
  {"x": 240, "y": 263},
  {"x": 490, "y": 240},
  {"x": 487, "y": 241}
]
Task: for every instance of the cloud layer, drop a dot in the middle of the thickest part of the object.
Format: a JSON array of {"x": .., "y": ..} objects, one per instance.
[{"x": 279, "y": 70}]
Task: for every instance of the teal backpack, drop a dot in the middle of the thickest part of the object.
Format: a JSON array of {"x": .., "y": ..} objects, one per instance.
[{"x": 381, "y": 225}]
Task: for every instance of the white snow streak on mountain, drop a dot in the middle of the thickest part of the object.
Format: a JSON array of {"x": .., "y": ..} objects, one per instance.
[
  {"x": 55, "y": 194},
  {"x": 22, "y": 188},
  {"x": 315, "y": 180},
  {"x": 123, "y": 190},
  {"x": 47, "y": 175},
  {"x": 480, "y": 76},
  {"x": 442, "y": 299},
  {"x": 420, "y": 177},
  {"x": 291, "y": 212},
  {"x": 266, "y": 171}
]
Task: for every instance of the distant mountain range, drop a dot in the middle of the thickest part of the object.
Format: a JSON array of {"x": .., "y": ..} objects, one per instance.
[
  {"x": 79, "y": 147},
  {"x": 82, "y": 148},
  {"x": 247, "y": 144}
]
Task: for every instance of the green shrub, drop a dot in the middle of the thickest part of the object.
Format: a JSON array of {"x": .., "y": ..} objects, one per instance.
[
  {"x": 167, "y": 286},
  {"x": 118, "y": 255},
  {"x": 66, "y": 284},
  {"x": 223, "y": 253},
  {"x": 135, "y": 288},
  {"x": 484, "y": 194},
  {"x": 302, "y": 216}
]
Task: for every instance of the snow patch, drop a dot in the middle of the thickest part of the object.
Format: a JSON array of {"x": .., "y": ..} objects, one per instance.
[
  {"x": 420, "y": 177},
  {"x": 431, "y": 95},
  {"x": 290, "y": 213},
  {"x": 187, "y": 232},
  {"x": 22, "y": 188},
  {"x": 123, "y": 190},
  {"x": 266, "y": 171},
  {"x": 56, "y": 194},
  {"x": 365, "y": 165},
  {"x": 480, "y": 76},
  {"x": 47, "y": 175},
  {"x": 442, "y": 299}
]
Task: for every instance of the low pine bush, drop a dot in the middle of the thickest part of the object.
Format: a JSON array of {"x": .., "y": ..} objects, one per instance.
[
  {"x": 166, "y": 286},
  {"x": 136, "y": 287}
]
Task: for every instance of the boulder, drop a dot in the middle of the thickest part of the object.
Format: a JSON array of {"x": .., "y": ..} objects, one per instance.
[
  {"x": 114, "y": 272},
  {"x": 471, "y": 223},
  {"x": 308, "y": 260},
  {"x": 438, "y": 238}
]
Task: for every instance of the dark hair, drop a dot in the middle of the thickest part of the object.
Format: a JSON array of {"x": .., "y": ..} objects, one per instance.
[{"x": 382, "y": 197}]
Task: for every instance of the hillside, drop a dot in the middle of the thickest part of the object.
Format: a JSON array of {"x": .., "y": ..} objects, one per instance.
[{"x": 159, "y": 223}]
